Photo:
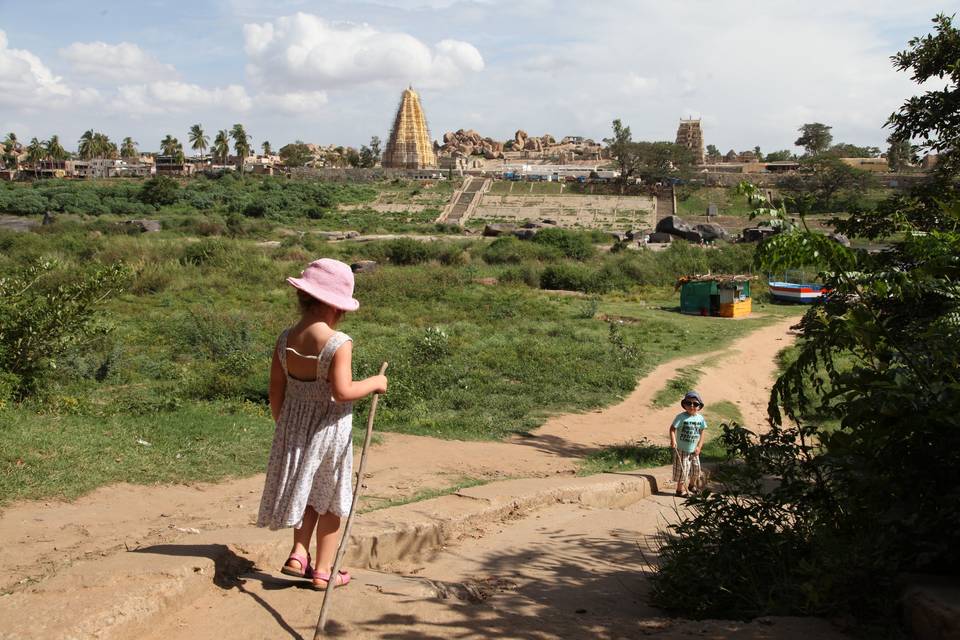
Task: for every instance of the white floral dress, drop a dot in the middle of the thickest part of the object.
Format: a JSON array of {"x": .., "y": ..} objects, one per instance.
[{"x": 311, "y": 460}]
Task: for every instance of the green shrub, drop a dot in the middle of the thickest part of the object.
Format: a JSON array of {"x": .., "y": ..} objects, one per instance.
[
  {"x": 573, "y": 277},
  {"x": 512, "y": 250},
  {"x": 528, "y": 274},
  {"x": 406, "y": 251},
  {"x": 45, "y": 311},
  {"x": 570, "y": 243},
  {"x": 160, "y": 191}
]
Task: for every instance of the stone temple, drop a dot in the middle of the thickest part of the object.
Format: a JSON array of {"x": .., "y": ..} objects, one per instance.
[
  {"x": 690, "y": 135},
  {"x": 409, "y": 145}
]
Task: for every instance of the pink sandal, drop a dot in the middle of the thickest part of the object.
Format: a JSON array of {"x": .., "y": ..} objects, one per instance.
[
  {"x": 343, "y": 579},
  {"x": 306, "y": 571}
]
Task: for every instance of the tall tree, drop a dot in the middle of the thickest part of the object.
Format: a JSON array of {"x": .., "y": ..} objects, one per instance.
[
  {"x": 128, "y": 148},
  {"x": 11, "y": 151},
  {"x": 756, "y": 152},
  {"x": 221, "y": 146},
  {"x": 931, "y": 117},
  {"x": 169, "y": 145},
  {"x": 900, "y": 154},
  {"x": 198, "y": 139},
  {"x": 815, "y": 138},
  {"x": 241, "y": 144},
  {"x": 296, "y": 154},
  {"x": 85, "y": 146},
  {"x": 55, "y": 150},
  {"x": 779, "y": 156},
  {"x": 375, "y": 147},
  {"x": 622, "y": 150},
  {"x": 36, "y": 152},
  {"x": 713, "y": 153},
  {"x": 267, "y": 149}
]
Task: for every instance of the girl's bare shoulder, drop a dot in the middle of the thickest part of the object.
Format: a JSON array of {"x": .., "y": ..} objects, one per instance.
[{"x": 311, "y": 338}]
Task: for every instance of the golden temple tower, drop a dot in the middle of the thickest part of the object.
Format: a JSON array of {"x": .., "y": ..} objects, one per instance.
[{"x": 409, "y": 145}]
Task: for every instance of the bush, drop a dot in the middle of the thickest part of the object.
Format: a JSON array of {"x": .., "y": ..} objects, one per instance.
[
  {"x": 573, "y": 277},
  {"x": 512, "y": 250},
  {"x": 570, "y": 243},
  {"x": 44, "y": 313},
  {"x": 406, "y": 251},
  {"x": 160, "y": 191}
]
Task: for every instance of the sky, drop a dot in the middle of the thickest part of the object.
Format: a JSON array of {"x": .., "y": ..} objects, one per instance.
[{"x": 332, "y": 72}]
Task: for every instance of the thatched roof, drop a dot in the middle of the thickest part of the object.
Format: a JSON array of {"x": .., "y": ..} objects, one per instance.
[{"x": 720, "y": 279}]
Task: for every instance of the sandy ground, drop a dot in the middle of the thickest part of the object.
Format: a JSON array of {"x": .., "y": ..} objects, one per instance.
[{"x": 43, "y": 538}]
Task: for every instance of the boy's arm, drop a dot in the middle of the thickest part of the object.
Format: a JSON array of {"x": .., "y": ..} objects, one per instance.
[{"x": 673, "y": 437}]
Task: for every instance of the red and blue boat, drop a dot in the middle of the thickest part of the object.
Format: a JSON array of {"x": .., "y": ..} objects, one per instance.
[{"x": 796, "y": 285}]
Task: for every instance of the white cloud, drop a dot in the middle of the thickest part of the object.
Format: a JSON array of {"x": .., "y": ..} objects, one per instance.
[
  {"x": 123, "y": 62},
  {"x": 167, "y": 96},
  {"x": 306, "y": 52},
  {"x": 297, "y": 102},
  {"x": 26, "y": 81}
]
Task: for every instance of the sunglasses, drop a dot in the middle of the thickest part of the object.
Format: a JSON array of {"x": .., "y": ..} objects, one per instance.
[{"x": 690, "y": 403}]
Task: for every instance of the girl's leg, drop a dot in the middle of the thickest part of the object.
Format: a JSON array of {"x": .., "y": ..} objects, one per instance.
[
  {"x": 328, "y": 528},
  {"x": 301, "y": 537}
]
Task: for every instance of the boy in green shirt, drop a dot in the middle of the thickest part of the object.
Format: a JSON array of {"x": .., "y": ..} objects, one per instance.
[{"x": 686, "y": 439}]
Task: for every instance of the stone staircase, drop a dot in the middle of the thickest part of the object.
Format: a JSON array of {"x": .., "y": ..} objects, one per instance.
[{"x": 465, "y": 201}]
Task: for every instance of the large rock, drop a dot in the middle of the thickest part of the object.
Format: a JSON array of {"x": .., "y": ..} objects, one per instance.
[
  {"x": 660, "y": 237},
  {"x": 711, "y": 231},
  {"x": 673, "y": 225},
  {"x": 495, "y": 230},
  {"x": 449, "y": 137}
]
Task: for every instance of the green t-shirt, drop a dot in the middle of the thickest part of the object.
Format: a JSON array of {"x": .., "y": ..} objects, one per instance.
[{"x": 689, "y": 429}]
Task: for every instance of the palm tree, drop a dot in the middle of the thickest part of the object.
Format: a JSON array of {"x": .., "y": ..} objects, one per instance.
[
  {"x": 128, "y": 148},
  {"x": 36, "y": 152},
  {"x": 11, "y": 151},
  {"x": 198, "y": 140},
  {"x": 55, "y": 150},
  {"x": 221, "y": 146},
  {"x": 241, "y": 143},
  {"x": 267, "y": 149},
  {"x": 85, "y": 145},
  {"x": 168, "y": 146}
]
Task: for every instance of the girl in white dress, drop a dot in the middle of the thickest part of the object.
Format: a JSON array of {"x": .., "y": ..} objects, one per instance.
[{"x": 308, "y": 483}]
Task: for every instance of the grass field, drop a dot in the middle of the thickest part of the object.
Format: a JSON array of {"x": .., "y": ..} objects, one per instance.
[{"x": 175, "y": 390}]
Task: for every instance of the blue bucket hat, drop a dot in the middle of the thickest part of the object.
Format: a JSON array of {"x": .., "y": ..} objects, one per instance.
[{"x": 692, "y": 395}]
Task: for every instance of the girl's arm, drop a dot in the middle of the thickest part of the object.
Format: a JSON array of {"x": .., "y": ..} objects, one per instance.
[
  {"x": 345, "y": 388},
  {"x": 278, "y": 384}
]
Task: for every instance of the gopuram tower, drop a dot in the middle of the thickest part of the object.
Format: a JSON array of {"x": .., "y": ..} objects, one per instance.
[
  {"x": 690, "y": 135},
  {"x": 409, "y": 145}
]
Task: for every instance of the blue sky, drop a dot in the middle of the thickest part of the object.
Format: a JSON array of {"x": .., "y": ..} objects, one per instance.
[{"x": 332, "y": 72}]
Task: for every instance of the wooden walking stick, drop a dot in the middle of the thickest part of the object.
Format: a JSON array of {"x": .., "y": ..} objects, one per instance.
[{"x": 335, "y": 570}]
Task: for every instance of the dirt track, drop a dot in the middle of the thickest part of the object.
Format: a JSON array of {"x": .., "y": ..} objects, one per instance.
[{"x": 44, "y": 538}]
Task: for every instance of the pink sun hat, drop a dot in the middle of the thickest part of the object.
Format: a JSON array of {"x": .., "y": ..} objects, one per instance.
[{"x": 329, "y": 281}]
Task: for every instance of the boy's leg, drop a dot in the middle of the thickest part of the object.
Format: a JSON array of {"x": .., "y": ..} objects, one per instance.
[
  {"x": 693, "y": 480},
  {"x": 684, "y": 472},
  {"x": 678, "y": 469}
]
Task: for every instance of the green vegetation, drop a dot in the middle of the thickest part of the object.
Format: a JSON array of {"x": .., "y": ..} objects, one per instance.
[
  {"x": 182, "y": 359},
  {"x": 673, "y": 391},
  {"x": 856, "y": 488}
]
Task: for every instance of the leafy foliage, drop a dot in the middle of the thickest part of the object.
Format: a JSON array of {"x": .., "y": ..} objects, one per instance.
[
  {"x": 44, "y": 313},
  {"x": 854, "y": 484}
]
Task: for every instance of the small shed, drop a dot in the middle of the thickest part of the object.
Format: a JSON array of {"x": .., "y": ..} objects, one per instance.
[{"x": 727, "y": 296}]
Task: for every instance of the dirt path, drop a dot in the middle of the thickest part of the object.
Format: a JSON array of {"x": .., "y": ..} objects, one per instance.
[{"x": 43, "y": 538}]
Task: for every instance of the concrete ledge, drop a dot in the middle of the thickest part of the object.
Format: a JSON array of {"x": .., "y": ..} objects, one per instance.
[{"x": 120, "y": 594}]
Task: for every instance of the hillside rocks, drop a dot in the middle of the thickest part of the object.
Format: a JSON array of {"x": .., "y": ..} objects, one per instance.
[
  {"x": 468, "y": 143},
  {"x": 675, "y": 226}
]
